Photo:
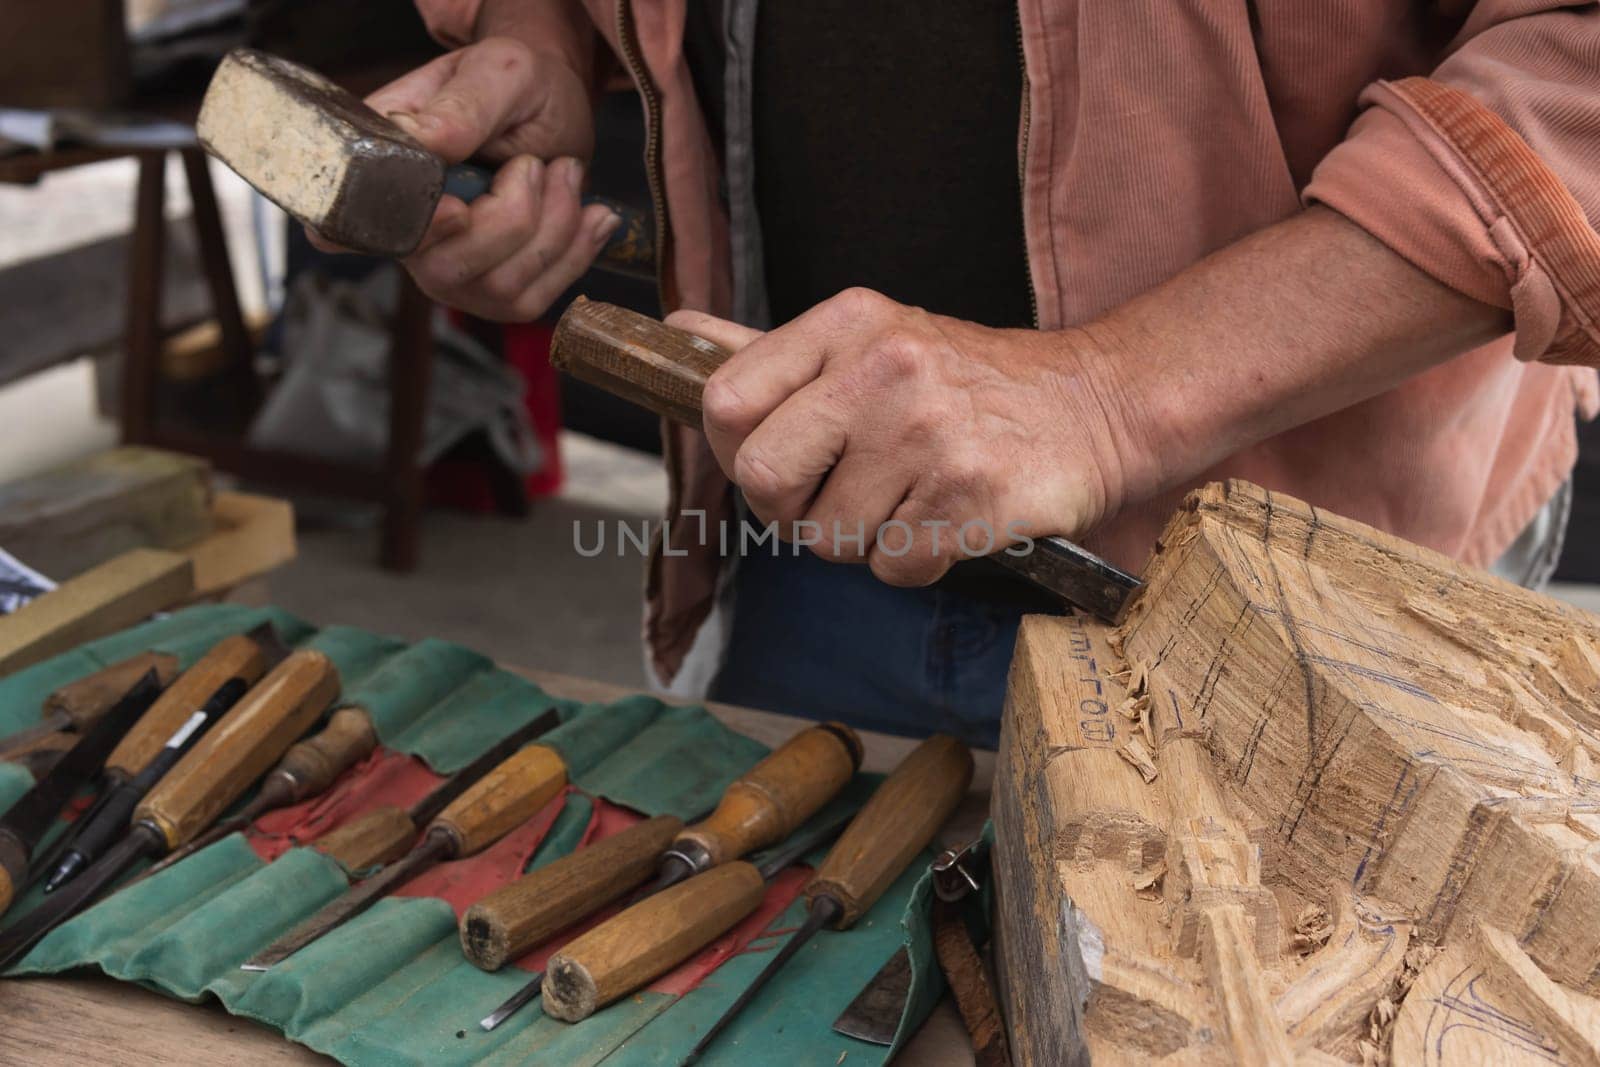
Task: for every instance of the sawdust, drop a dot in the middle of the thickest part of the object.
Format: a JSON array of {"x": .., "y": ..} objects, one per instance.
[{"x": 1375, "y": 1048}]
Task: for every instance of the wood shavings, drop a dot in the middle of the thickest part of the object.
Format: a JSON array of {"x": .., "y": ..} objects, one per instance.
[
  {"x": 1374, "y": 1048},
  {"x": 1312, "y": 928},
  {"x": 1134, "y": 752},
  {"x": 1147, "y": 883}
]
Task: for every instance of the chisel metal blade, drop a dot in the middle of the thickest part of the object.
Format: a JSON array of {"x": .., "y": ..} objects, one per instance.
[
  {"x": 874, "y": 1015},
  {"x": 23, "y": 740},
  {"x": 26, "y": 821},
  {"x": 76, "y": 896},
  {"x": 342, "y": 909}
]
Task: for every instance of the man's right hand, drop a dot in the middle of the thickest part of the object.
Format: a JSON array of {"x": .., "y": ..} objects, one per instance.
[{"x": 516, "y": 248}]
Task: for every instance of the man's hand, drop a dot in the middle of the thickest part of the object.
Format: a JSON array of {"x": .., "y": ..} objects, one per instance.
[
  {"x": 952, "y": 439},
  {"x": 517, "y": 247}
]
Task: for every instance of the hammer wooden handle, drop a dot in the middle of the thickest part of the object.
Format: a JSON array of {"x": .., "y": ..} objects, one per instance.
[
  {"x": 642, "y": 360},
  {"x": 631, "y": 949},
  {"x": 778, "y": 794},
  {"x": 504, "y": 798},
  {"x": 314, "y": 763},
  {"x": 372, "y": 839},
  {"x": 238, "y": 656},
  {"x": 518, "y": 916},
  {"x": 897, "y": 823},
  {"x": 241, "y": 747},
  {"x": 82, "y": 702}
]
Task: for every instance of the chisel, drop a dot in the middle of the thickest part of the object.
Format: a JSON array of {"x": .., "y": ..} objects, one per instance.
[
  {"x": 761, "y": 808},
  {"x": 242, "y": 657},
  {"x": 92, "y": 836},
  {"x": 209, "y": 777},
  {"x": 767, "y": 803},
  {"x": 664, "y": 369},
  {"x": 308, "y": 768},
  {"x": 896, "y": 824},
  {"x": 524, "y": 913},
  {"x": 77, "y": 705},
  {"x": 637, "y": 946},
  {"x": 492, "y": 807},
  {"x": 27, "y": 821},
  {"x": 385, "y": 834}
]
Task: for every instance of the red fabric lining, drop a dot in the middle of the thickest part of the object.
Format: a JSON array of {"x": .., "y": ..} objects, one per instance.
[{"x": 385, "y": 777}]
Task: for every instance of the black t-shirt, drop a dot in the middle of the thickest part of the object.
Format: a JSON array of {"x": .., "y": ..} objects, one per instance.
[{"x": 886, "y": 154}]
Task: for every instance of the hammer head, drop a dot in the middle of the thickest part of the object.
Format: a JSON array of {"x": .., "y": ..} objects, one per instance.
[{"x": 321, "y": 154}]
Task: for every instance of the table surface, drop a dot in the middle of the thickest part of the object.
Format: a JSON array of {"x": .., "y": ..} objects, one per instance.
[{"x": 92, "y": 1019}]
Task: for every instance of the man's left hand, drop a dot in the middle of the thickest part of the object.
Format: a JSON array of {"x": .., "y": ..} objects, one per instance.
[{"x": 934, "y": 438}]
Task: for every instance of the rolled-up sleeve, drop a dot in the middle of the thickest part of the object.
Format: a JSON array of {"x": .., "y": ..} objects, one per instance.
[{"x": 1486, "y": 174}]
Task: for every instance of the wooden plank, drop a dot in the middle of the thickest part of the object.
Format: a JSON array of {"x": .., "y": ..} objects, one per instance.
[
  {"x": 108, "y": 598},
  {"x": 250, "y": 536},
  {"x": 1358, "y": 750},
  {"x": 70, "y": 518}
]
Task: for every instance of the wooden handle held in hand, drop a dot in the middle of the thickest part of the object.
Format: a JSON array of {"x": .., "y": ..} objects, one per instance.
[
  {"x": 655, "y": 935},
  {"x": 640, "y": 359},
  {"x": 374, "y": 838},
  {"x": 504, "y": 798},
  {"x": 896, "y": 824},
  {"x": 240, "y": 747},
  {"x": 238, "y": 656},
  {"x": 775, "y": 796},
  {"x": 525, "y": 913},
  {"x": 84, "y": 701},
  {"x": 314, "y": 763}
]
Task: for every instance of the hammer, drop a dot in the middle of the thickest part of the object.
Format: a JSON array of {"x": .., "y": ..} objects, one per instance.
[{"x": 351, "y": 174}]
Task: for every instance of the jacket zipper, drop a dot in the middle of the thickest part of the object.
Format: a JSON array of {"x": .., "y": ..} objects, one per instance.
[
  {"x": 1022, "y": 174},
  {"x": 628, "y": 39}
]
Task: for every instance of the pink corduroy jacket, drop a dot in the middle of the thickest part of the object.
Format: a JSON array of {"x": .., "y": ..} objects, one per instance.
[{"x": 1465, "y": 136}]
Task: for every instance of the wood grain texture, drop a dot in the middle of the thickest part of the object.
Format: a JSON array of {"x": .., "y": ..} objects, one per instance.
[
  {"x": 70, "y": 518},
  {"x": 638, "y": 358},
  {"x": 525, "y": 913},
  {"x": 893, "y": 827},
  {"x": 632, "y": 949},
  {"x": 768, "y": 802},
  {"x": 374, "y": 838},
  {"x": 237, "y": 656},
  {"x": 241, "y": 746},
  {"x": 101, "y": 601},
  {"x": 504, "y": 799},
  {"x": 314, "y": 763},
  {"x": 84, "y": 701},
  {"x": 8, "y": 890},
  {"x": 250, "y": 536},
  {"x": 1362, "y": 752}
]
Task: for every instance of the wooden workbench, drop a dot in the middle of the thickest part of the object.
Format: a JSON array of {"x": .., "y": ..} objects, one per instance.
[{"x": 67, "y": 1022}]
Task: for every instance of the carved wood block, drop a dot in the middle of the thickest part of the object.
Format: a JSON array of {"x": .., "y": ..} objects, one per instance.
[{"x": 1366, "y": 759}]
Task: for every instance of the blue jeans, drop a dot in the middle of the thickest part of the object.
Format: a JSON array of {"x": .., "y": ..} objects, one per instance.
[{"x": 829, "y": 641}]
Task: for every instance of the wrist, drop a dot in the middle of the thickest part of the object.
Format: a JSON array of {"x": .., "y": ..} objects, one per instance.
[
  {"x": 556, "y": 30},
  {"x": 1107, "y": 411}
]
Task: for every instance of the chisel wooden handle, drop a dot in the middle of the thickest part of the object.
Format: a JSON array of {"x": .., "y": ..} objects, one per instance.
[
  {"x": 241, "y": 747},
  {"x": 314, "y": 763},
  {"x": 373, "y": 838},
  {"x": 503, "y": 799},
  {"x": 516, "y": 917},
  {"x": 631, "y": 949},
  {"x": 897, "y": 823},
  {"x": 776, "y": 795},
  {"x": 80, "y": 703},
  {"x": 239, "y": 656},
  {"x": 645, "y": 361}
]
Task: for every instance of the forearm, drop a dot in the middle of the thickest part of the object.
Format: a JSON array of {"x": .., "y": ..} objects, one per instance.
[
  {"x": 1295, "y": 322},
  {"x": 560, "y": 27}
]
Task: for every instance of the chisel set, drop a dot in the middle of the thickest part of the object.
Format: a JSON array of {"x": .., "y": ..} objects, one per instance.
[{"x": 158, "y": 764}]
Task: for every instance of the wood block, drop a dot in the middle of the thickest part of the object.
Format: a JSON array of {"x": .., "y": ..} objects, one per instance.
[
  {"x": 111, "y": 597},
  {"x": 70, "y": 518},
  {"x": 1363, "y": 753},
  {"x": 250, "y": 536}
]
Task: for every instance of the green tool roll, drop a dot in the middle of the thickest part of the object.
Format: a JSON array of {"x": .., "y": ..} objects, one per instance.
[{"x": 391, "y": 986}]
